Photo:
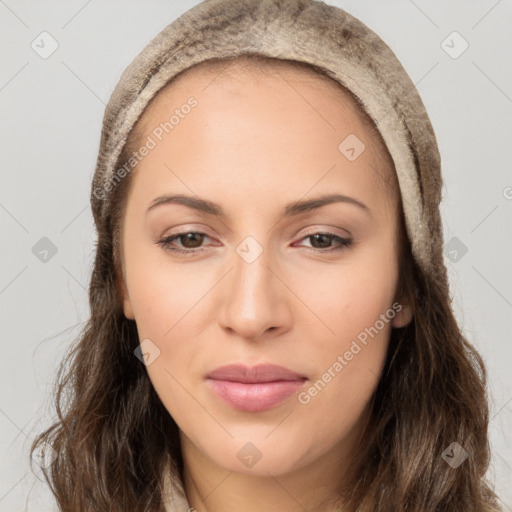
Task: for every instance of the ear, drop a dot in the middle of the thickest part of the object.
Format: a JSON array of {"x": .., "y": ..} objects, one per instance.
[
  {"x": 127, "y": 305},
  {"x": 402, "y": 317},
  {"x": 125, "y": 297}
]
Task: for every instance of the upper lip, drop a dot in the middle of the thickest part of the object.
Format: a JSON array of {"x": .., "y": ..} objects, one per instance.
[{"x": 254, "y": 374}]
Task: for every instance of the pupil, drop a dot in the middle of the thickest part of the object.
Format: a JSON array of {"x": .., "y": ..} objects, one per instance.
[
  {"x": 189, "y": 237},
  {"x": 320, "y": 237}
]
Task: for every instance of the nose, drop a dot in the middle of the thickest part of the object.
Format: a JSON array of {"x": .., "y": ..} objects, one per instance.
[{"x": 254, "y": 301}]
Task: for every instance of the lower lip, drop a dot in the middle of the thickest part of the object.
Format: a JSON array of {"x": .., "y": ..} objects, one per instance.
[{"x": 254, "y": 397}]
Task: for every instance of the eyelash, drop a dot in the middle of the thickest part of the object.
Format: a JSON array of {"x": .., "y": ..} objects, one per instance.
[{"x": 166, "y": 243}]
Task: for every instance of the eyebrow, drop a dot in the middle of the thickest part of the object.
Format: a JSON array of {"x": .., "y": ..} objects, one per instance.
[{"x": 290, "y": 210}]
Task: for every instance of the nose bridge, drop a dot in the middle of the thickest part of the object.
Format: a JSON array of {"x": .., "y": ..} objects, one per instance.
[{"x": 253, "y": 301}]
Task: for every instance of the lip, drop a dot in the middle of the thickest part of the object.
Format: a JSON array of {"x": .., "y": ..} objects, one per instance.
[{"x": 254, "y": 389}]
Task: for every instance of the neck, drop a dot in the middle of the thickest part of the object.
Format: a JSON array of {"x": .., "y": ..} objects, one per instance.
[{"x": 230, "y": 492}]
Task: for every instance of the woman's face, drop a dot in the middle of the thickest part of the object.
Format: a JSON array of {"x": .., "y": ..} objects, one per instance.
[{"x": 291, "y": 260}]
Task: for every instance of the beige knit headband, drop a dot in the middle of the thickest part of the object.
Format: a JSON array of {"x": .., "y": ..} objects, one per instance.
[{"x": 303, "y": 30}]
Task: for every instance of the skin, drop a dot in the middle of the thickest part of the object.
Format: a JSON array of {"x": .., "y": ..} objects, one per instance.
[{"x": 258, "y": 140}]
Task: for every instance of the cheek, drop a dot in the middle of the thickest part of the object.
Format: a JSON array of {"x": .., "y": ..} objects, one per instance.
[
  {"x": 170, "y": 304},
  {"x": 162, "y": 294},
  {"x": 357, "y": 307},
  {"x": 349, "y": 297}
]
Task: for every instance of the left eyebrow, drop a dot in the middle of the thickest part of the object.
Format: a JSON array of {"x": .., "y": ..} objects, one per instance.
[
  {"x": 298, "y": 207},
  {"x": 290, "y": 210}
]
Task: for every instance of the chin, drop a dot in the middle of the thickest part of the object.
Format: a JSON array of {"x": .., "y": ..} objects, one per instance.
[{"x": 258, "y": 456}]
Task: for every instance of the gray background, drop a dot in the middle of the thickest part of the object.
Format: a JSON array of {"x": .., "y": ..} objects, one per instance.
[{"x": 51, "y": 112}]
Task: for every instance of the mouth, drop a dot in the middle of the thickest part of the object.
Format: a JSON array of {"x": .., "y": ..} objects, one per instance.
[{"x": 254, "y": 389}]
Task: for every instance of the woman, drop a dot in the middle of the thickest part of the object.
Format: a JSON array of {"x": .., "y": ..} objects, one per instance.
[{"x": 271, "y": 326}]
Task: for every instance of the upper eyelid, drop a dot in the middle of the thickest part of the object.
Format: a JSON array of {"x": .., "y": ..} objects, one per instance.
[
  {"x": 313, "y": 230},
  {"x": 178, "y": 235}
]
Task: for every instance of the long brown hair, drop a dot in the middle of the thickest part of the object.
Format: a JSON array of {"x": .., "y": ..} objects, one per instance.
[{"x": 114, "y": 438}]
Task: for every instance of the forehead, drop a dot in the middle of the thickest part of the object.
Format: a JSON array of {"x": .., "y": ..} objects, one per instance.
[
  {"x": 233, "y": 73},
  {"x": 297, "y": 86}
]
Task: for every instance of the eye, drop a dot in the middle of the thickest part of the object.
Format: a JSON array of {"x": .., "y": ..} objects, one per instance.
[
  {"x": 320, "y": 242},
  {"x": 191, "y": 242}
]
